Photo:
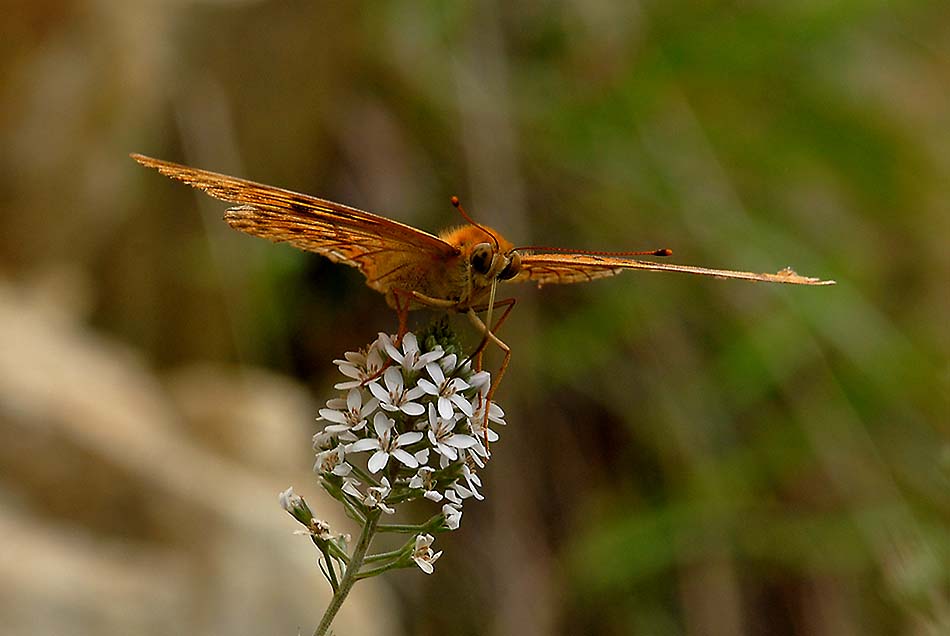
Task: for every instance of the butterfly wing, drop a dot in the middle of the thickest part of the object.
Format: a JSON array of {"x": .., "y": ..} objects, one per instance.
[
  {"x": 545, "y": 269},
  {"x": 385, "y": 251}
]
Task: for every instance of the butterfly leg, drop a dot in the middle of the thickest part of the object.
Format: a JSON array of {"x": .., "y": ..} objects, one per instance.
[
  {"x": 490, "y": 336},
  {"x": 407, "y": 295},
  {"x": 508, "y": 304},
  {"x": 402, "y": 311}
]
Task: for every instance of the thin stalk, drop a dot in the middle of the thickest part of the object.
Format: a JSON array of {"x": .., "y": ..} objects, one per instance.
[
  {"x": 385, "y": 556},
  {"x": 402, "y": 528},
  {"x": 352, "y": 570},
  {"x": 383, "y": 568},
  {"x": 330, "y": 573}
]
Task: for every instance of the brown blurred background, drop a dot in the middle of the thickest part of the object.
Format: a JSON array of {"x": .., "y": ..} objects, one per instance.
[{"x": 683, "y": 456}]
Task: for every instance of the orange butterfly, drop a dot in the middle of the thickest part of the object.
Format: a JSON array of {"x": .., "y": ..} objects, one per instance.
[{"x": 457, "y": 270}]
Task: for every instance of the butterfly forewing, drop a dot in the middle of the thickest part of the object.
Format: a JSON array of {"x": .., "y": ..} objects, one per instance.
[
  {"x": 547, "y": 269},
  {"x": 390, "y": 254}
]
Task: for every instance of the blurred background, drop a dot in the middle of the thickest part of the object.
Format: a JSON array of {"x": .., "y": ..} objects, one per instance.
[{"x": 683, "y": 456}]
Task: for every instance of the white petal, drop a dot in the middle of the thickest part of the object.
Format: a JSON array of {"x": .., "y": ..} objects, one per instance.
[
  {"x": 369, "y": 407},
  {"x": 461, "y": 441},
  {"x": 378, "y": 461},
  {"x": 427, "y": 386},
  {"x": 448, "y": 362},
  {"x": 447, "y": 451},
  {"x": 425, "y": 566},
  {"x": 422, "y": 456},
  {"x": 382, "y": 424},
  {"x": 363, "y": 445},
  {"x": 378, "y": 392},
  {"x": 426, "y": 358},
  {"x": 407, "y": 439},
  {"x": 445, "y": 408},
  {"x": 405, "y": 458},
  {"x": 435, "y": 372},
  {"x": 464, "y": 405},
  {"x": 410, "y": 343},
  {"x": 393, "y": 379},
  {"x": 393, "y": 352},
  {"x": 333, "y": 416},
  {"x": 350, "y": 487},
  {"x": 354, "y": 399},
  {"x": 350, "y": 371},
  {"x": 412, "y": 408},
  {"x": 414, "y": 393},
  {"x": 480, "y": 378},
  {"x": 433, "y": 495}
]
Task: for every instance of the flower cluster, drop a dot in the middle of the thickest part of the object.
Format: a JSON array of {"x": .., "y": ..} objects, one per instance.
[{"x": 413, "y": 423}]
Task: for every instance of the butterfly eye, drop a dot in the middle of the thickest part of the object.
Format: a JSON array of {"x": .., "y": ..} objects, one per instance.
[
  {"x": 512, "y": 268},
  {"x": 482, "y": 258}
]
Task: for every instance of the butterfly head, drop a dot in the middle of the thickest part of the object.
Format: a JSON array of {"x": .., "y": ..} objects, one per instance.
[
  {"x": 489, "y": 256},
  {"x": 489, "y": 263}
]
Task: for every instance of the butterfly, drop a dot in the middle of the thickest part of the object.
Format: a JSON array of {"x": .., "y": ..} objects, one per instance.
[{"x": 458, "y": 270}]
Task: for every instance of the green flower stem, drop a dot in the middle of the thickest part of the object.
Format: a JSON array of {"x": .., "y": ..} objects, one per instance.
[
  {"x": 337, "y": 552},
  {"x": 385, "y": 556},
  {"x": 324, "y": 547},
  {"x": 434, "y": 524},
  {"x": 377, "y": 571},
  {"x": 351, "y": 573},
  {"x": 400, "y": 528}
]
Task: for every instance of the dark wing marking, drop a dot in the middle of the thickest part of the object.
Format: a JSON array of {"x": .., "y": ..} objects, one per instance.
[{"x": 547, "y": 269}]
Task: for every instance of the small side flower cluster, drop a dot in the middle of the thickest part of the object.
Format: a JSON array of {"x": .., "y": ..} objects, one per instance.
[{"x": 413, "y": 423}]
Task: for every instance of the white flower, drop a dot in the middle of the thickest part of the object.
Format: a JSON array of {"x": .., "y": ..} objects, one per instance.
[
  {"x": 395, "y": 397},
  {"x": 323, "y": 441},
  {"x": 480, "y": 380},
  {"x": 422, "y": 456},
  {"x": 350, "y": 487},
  {"x": 386, "y": 445},
  {"x": 457, "y": 493},
  {"x": 422, "y": 553},
  {"x": 348, "y": 416},
  {"x": 453, "y": 497},
  {"x": 376, "y": 497},
  {"x": 495, "y": 413},
  {"x": 331, "y": 461},
  {"x": 360, "y": 366},
  {"x": 472, "y": 481},
  {"x": 453, "y": 516},
  {"x": 318, "y": 528},
  {"x": 479, "y": 452},
  {"x": 410, "y": 358},
  {"x": 423, "y": 479},
  {"x": 443, "y": 439},
  {"x": 449, "y": 391},
  {"x": 289, "y": 500}
]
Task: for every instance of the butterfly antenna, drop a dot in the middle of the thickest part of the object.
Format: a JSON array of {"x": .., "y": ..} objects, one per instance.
[
  {"x": 542, "y": 248},
  {"x": 458, "y": 206}
]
